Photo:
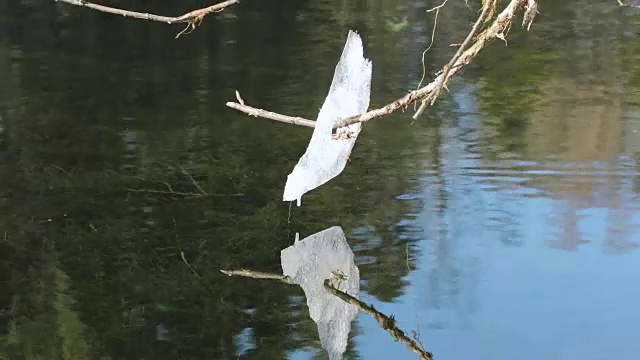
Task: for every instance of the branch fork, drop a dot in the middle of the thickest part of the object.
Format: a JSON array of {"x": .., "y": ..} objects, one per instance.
[
  {"x": 429, "y": 93},
  {"x": 192, "y": 18}
]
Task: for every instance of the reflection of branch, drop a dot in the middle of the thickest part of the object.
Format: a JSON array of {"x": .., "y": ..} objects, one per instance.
[
  {"x": 257, "y": 275},
  {"x": 627, "y": 5},
  {"x": 385, "y": 322},
  {"x": 192, "y": 18},
  {"x": 271, "y": 115},
  {"x": 498, "y": 28},
  {"x": 169, "y": 189}
]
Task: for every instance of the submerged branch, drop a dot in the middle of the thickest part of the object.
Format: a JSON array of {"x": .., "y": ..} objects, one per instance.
[
  {"x": 170, "y": 190},
  {"x": 488, "y": 7},
  {"x": 388, "y": 323},
  {"x": 498, "y": 29},
  {"x": 192, "y": 18}
]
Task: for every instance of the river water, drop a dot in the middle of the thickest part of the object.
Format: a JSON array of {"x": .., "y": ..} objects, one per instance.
[{"x": 502, "y": 224}]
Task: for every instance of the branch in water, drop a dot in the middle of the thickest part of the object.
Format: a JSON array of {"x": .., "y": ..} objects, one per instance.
[
  {"x": 192, "y": 18},
  {"x": 488, "y": 7},
  {"x": 498, "y": 29}
]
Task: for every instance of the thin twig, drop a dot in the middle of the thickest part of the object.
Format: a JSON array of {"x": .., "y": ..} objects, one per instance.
[
  {"x": 430, "y": 100},
  {"x": 59, "y": 168},
  {"x": 192, "y": 18},
  {"x": 530, "y": 12},
  {"x": 388, "y": 323},
  {"x": 171, "y": 192},
  {"x": 271, "y": 115},
  {"x": 193, "y": 181},
  {"x": 257, "y": 275},
  {"x": 627, "y": 5},
  {"x": 385, "y": 322},
  {"x": 433, "y": 36},
  {"x": 501, "y": 24},
  {"x": 195, "y": 14},
  {"x": 438, "y": 7},
  {"x": 182, "y": 255}
]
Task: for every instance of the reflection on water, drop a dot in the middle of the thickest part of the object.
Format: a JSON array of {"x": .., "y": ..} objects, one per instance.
[
  {"x": 505, "y": 224},
  {"x": 308, "y": 262}
]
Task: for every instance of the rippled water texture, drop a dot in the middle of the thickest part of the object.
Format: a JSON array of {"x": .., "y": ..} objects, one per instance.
[{"x": 503, "y": 224}]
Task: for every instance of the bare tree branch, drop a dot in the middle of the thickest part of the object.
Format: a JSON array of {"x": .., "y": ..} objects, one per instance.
[
  {"x": 257, "y": 275},
  {"x": 498, "y": 29},
  {"x": 433, "y": 36},
  {"x": 431, "y": 98},
  {"x": 192, "y": 18},
  {"x": 388, "y": 323},
  {"x": 627, "y": 5},
  {"x": 271, "y": 115}
]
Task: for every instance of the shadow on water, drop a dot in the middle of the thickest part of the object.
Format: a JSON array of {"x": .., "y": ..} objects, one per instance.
[{"x": 507, "y": 219}]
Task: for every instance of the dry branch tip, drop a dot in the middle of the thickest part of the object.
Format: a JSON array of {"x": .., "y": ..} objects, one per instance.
[{"x": 192, "y": 18}]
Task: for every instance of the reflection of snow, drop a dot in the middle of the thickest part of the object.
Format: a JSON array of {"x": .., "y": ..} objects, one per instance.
[
  {"x": 327, "y": 153},
  {"x": 308, "y": 262}
]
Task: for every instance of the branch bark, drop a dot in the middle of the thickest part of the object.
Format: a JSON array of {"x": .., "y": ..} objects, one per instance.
[
  {"x": 387, "y": 323},
  {"x": 498, "y": 29},
  {"x": 192, "y": 18},
  {"x": 621, "y": 3},
  {"x": 271, "y": 115}
]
